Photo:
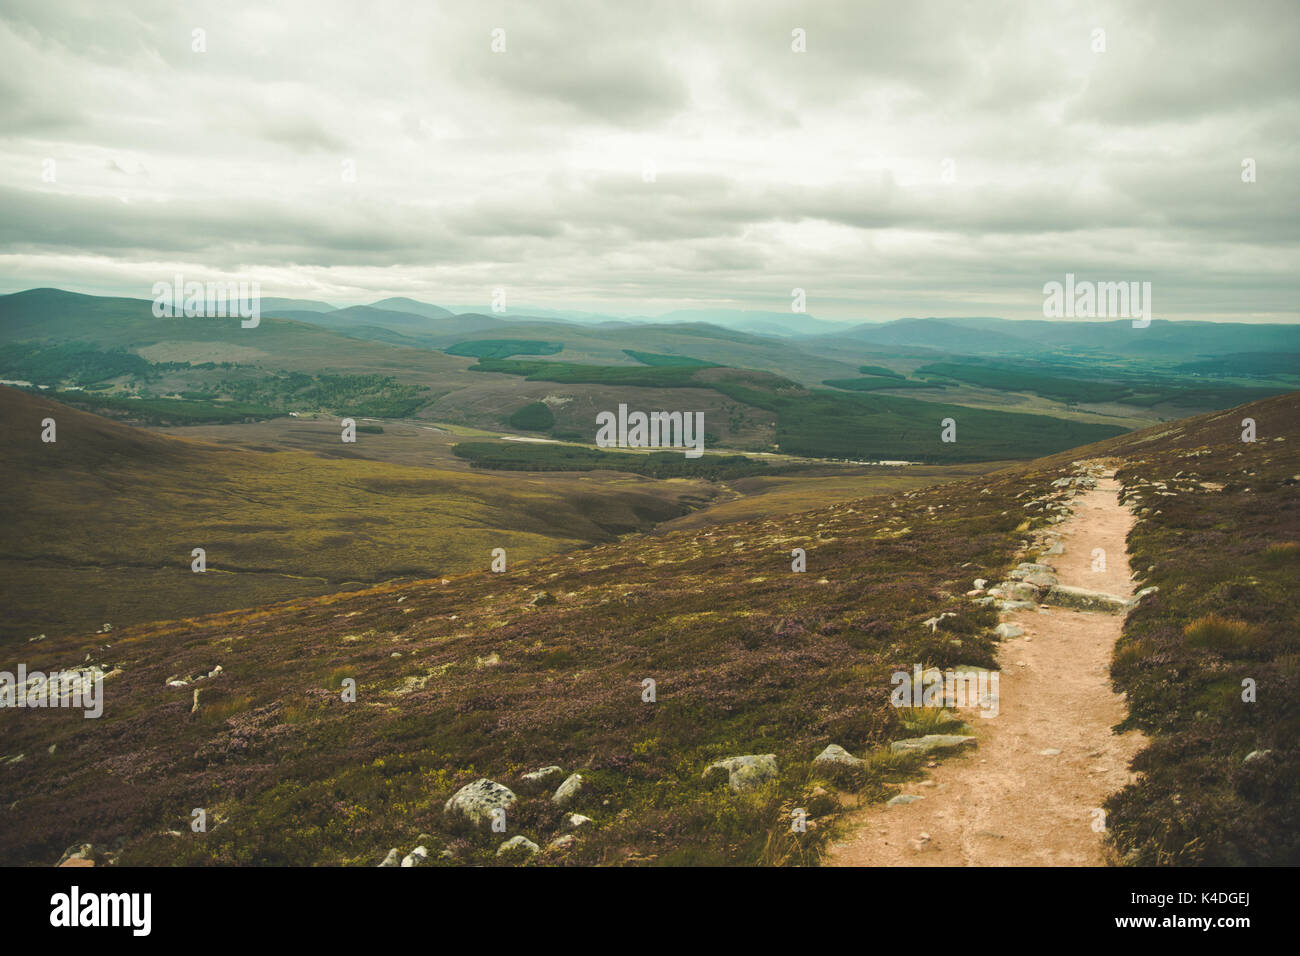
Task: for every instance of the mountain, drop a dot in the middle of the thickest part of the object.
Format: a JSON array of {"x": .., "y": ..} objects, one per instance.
[
  {"x": 403, "y": 304},
  {"x": 272, "y": 304},
  {"x": 1163, "y": 339},
  {"x": 785, "y": 324}
]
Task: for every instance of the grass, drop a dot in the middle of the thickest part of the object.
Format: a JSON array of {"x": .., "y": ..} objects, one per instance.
[
  {"x": 1226, "y": 636},
  {"x": 1209, "y": 663}
]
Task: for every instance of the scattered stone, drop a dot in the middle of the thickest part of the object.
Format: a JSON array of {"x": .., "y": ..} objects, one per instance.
[
  {"x": 476, "y": 801},
  {"x": 1007, "y": 606},
  {"x": 393, "y": 859},
  {"x": 562, "y": 842},
  {"x": 1255, "y": 755},
  {"x": 903, "y": 798},
  {"x": 981, "y": 584},
  {"x": 568, "y": 791},
  {"x": 79, "y": 854},
  {"x": 1049, "y": 752},
  {"x": 1008, "y": 631},
  {"x": 518, "y": 846},
  {"x": 1063, "y": 595},
  {"x": 934, "y": 622},
  {"x": 745, "y": 772},
  {"x": 576, "y": 821},
  {"x": 539, "y": 780},
  {"x": 542, "y": 598},
  {"x": 932, "y": 743},
  {"x": 417, "y": 857},
  {"x": 836, "y": 757}
]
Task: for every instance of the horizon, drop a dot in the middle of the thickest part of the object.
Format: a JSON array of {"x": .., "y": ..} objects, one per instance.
[{"x": 592, "y": 315}]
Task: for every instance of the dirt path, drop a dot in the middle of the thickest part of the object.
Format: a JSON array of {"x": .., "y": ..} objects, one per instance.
[{"x": 1012, "y": 801}]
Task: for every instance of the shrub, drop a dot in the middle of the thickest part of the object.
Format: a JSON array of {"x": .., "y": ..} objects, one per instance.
[{"x": 1224, "y": 635}]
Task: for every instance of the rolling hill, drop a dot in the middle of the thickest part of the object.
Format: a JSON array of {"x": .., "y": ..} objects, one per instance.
[{"x": 496, "y": 675}]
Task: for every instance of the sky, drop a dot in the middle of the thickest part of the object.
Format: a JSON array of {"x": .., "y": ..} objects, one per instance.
[{"x": 912, "y": 159}]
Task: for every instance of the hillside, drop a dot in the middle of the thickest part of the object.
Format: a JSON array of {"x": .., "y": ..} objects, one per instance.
[
  {"x": 100, "y": 525},
  {"x": 497, "y": 675}
]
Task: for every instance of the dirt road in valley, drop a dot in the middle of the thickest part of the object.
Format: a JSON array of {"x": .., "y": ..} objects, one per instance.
[{"x": 1029, "y": 794}]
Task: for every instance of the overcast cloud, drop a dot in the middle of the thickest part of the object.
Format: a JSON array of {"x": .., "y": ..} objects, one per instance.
[{"x": 821, "y": 170}]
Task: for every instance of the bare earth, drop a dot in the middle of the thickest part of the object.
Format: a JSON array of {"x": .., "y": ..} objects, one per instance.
[{"x": 1008, "y": 803}]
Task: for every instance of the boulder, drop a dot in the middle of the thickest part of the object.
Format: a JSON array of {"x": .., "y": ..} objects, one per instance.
[
  {"x": 539, "y": 780},
  {"x": 1063, "y": 595},
  {"x": 1015, "y": 591},
  {"x": 562, "y": 842},
  {"x": 476, "y": 801},
  {"x": 567, "y": 792},
  {"x": 1007, "y": 631},
  {"x": 519, "y": 847},
  {"x": 746, "y": 772},
  {"x": 79, "y": 854},
  {"x": 394, "y": 858},
  {"x": 932, "y": 743},
  {"x": 576, "y": 821},
  {"x": 417, "y": 857},
  {"x": 836, "y": 763}
]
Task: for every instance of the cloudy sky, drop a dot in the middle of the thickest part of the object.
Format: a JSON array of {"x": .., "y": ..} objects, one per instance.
[{"x": 918, "y": 159}]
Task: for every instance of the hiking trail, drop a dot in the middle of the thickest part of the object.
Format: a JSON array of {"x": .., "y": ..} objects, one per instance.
[{"x": 1012, "y": 801}]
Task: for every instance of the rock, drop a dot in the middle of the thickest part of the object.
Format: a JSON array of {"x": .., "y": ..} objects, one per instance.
[
  {"x": 562, "y": 842},
  {"x": 476, "y": 801},
  {"x": 568, "y": 791},
  {"x": 518, "y": 846},
  {"x": 542, "y": 598},
  {"x": 417, "y": 857},
  {"x": 903, "y": 798},
  {"x": 1141, "y": 594},
  {"x": 1007, "y": 631},
  {"x": 836, "y": 757},
  {"x": 1015, "y": 591},
  {"x": 1015, "y": 605},
  {"x": 79, "y": 854},
  {"x": 1049, "y": 752},
  {"x": 932, "y": 743},
  {"x": 1255, "y": 755},
  {"x": 393, "y": 859},
  {"x": 197, "y": 704},
  {"x": 981, "y": 584},
  {"x": 1063, "y": 595},
  {"x": 745, "y": 772},
  {"x": 1042, "y": 579},
  {"x": 539, "y": 780},
  {"x": 576, "y": 821}
]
